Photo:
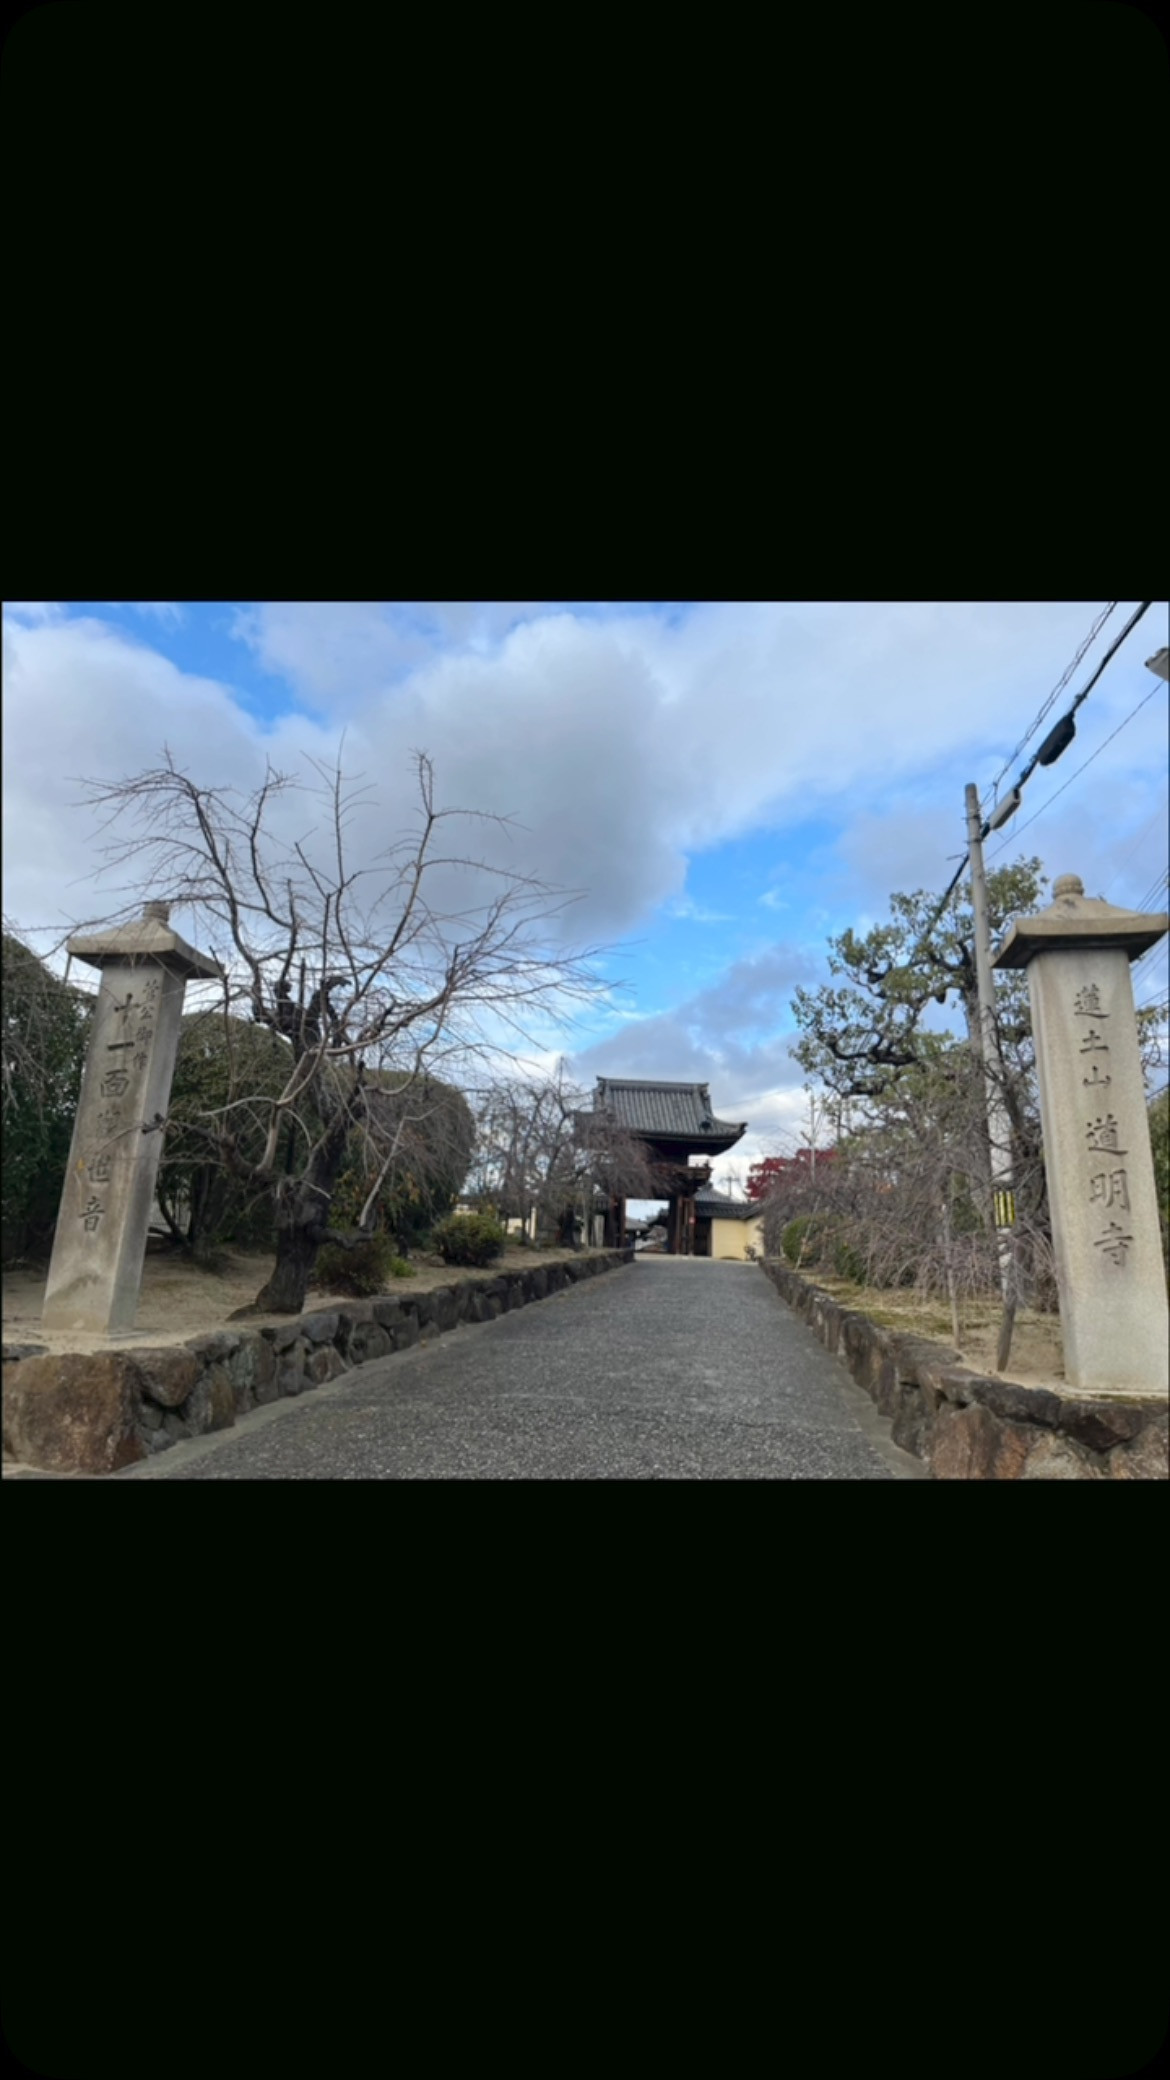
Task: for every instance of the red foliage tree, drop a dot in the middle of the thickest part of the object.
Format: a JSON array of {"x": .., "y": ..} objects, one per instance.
[{"x": 774, "y": 1170}]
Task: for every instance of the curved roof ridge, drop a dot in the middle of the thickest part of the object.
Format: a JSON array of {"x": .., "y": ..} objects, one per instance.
[{"x": 659, "y": 1106}]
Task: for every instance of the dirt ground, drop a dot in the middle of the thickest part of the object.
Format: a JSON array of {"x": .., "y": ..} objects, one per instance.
[
  {"x": 1037, "y": 1356},
  {"x": 179, "y": 1299}
]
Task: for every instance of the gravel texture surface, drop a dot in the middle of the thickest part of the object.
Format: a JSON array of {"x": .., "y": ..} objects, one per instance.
[{"x": 669, "y": 1369}]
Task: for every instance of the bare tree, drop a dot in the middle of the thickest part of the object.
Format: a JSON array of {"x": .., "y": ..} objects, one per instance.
[
  {"x": 902, "y": 1202},
  {"x": 532, "y": 1160},
  {"x": 427, "y": 957},
  {"x": 524, "y": 1135}
]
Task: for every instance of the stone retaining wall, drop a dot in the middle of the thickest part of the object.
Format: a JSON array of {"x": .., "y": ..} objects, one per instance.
[
  {"x": 93, "y": 1412},
  {"x": 974, "y": 1426}
]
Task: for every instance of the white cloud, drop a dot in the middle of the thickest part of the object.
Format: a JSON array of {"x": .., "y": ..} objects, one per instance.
[
  {"x": 34, "y": 611},
  {"x": 621, "y": 744},
  {"x": 687, "y": 910}
]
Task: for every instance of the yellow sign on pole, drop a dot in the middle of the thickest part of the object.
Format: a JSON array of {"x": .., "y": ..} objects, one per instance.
[{"x": 1005, "y": 1209}]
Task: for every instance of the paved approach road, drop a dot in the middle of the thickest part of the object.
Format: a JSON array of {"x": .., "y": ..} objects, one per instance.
[{"x": 670, "y": 1368}]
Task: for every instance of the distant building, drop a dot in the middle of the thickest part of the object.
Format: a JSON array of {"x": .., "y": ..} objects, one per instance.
[
  {"x": 672, "y": 1121},
  {"x": 727, "y": 1228}
]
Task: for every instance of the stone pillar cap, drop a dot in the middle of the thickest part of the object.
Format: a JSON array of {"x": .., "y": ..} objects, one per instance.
[
  {"x": 148, "y": 938},
  {"x": 1076, "y": 922}
]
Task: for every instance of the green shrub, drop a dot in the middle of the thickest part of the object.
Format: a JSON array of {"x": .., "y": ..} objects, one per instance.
[
  {"x": 793, "y": 1239},
  {"x": 366, "y": 1267},
  {"x": 469, "y": 1238},
  {"x": 848, "y": 1262},
  {"x": 816, "y": 1238}
]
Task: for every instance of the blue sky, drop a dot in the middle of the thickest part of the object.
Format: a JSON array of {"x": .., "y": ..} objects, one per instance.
[{"x": 727, "y": 783}]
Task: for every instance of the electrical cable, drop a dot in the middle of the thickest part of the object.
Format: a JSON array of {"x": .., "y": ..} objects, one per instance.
[
  {"x": 1072, "y": 776},
  {"x": 1059, "y": 687},
  {"x": 1154, "y": 890},
  {"x": 1027, "y": 771},
  {"x": 943, "y": 900}
]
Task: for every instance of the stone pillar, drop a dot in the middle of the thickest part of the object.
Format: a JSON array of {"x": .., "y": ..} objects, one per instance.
[
  {"x": 1097, "y": 1155},
  {"x": 100, "y": 1240}
]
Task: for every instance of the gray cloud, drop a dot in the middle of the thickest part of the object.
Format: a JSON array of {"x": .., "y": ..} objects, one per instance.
[
  {"x": 618, "y": 745},
  {"x": 734, "y": 1034}
]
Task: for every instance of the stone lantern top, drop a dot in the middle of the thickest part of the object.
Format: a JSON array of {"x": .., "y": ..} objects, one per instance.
[
  {"x": 1075, "y": 922},
  {"x": 148, "y": 939}
]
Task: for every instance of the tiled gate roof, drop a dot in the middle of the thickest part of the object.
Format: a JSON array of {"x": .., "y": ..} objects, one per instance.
[{"x": 678, "y": 1111}]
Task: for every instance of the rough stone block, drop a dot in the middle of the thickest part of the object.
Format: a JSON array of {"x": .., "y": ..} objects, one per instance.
[
  {"x": 404, "y": 1334},
  {"x": 223, "y": 1398},
  {"x": 1099, "y": 1424},
  {"x": 215, "y": 1346},
  {"x": 290, "y": 1377},
  {"x": 911, "y": 1421},
  {"x": 324, "y": 1363},
  {"x": 965, "y": 1443},
  {"x": 74, "y": 1412},
  {"x": 884, "y": 1386},
  {"x": 957, "y": 1384},
  {"x": 1054, "y": 1458},
  {"x": 1017, "y": 1404},
  {"x": 198, "y": 1408},
  {"x": 320, "y": 1328},
  {"x": 263, "y": 1367},
  {"x": 388, "y": 1312},
  {"x": 241, "y": 1370},
  {"x": 368, "y": 1341},
  {"x": 444, "y": 1308},
  {"x": 168, "y": 1374},
  {"x": 855, "y": 1345},
  {"x": 926, "y": 1376},
  {"x": 1146, "y": 1457}
]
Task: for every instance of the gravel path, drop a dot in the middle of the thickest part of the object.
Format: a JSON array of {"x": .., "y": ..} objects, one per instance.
[{"x": 671, "y": 1368}]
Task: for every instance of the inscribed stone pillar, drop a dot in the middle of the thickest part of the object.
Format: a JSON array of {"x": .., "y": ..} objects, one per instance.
[
  {"x": 1097, "y": 1156},
  {"x": 100, "y": 1241}
]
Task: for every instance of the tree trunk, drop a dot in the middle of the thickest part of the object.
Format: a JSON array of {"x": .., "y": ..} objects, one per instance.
[
  {"x": 296, "y": 1253},
  {"x": 302, "y": 1218}
]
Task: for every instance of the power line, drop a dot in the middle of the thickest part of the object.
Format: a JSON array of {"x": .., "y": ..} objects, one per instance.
[
  {"x": 1059, "y": 687},
  {"x": 1061, "y": 743},
  {"x": 1016, "y": 835},
  {"x": 1150, "y": 954},
  {"x": 1155, "y": 890},
  {"x": 933, "y": 919},
  {"x": 1114, "y": 647}
]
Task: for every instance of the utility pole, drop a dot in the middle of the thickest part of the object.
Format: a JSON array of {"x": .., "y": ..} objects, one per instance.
[{"x": 998, "y": 1124}]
